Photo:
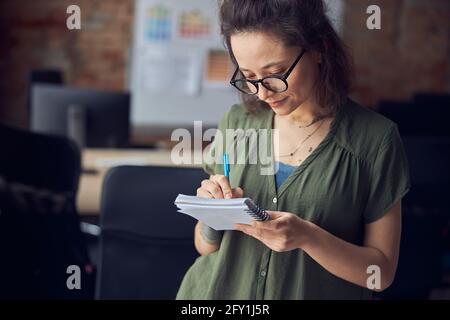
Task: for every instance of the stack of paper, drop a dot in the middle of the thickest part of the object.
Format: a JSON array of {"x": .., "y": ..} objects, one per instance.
[{"x": 219, "y": 214}]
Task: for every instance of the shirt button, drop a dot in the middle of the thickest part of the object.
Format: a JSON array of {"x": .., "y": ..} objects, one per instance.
[
  {"x": 263, "y": 273},
  {"x": 274, "y": 200}
]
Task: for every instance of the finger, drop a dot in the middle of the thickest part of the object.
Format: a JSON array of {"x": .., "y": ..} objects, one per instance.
[
  {"x": 224, "y": 184},
  {"x": 275, "y": 222},
  {"x": 243, "y": 228},
  {"x": 213, "y": 188},
  {"x": 203, "y": 193},
  {"x": 239, "y": 226},
  {"x": 275, "y": 214},
  {"x": 251, "y": 231},
  {"x": 237, "y": 192},
  {"x": 269, "y": 224}
]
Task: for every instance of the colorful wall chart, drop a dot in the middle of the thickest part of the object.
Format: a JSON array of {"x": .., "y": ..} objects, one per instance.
[
  {"x": 158, "y": 23},
  {"x": 193, "y": 24}
]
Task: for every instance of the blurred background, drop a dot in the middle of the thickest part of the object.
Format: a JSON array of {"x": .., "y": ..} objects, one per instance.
[{"x": 87, "y": 114}]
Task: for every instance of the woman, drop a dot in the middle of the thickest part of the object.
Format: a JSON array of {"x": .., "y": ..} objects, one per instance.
[{"x": 335, "y": 201}]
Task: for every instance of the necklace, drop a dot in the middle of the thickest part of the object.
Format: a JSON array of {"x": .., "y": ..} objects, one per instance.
[
  {"x": 312, "y": 122},
  {"x": 291, "y": 154}
]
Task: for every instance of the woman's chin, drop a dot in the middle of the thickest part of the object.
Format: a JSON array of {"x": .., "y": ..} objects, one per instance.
[{"x": 282, "y": 110}]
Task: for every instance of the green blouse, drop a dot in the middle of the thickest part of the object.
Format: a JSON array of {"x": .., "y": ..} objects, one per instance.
[{"x": 352, "y": 178}]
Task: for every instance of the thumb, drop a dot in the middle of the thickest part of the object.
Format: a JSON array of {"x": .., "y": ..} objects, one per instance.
[
  {"x": 275, "y": 214},
  {"x": 238, "y": 193}
]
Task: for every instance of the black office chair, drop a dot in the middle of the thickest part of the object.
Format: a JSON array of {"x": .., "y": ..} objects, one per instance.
[
  {"x": 146, "y": 246},
  {"x": 40, "y": 234}
]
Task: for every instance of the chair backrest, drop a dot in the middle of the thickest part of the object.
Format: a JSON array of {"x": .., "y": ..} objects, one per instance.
[
  {"x": 146, "y": 246},
  {"x": 40, "y": 235},
  {"x": 39, "y": 160}
]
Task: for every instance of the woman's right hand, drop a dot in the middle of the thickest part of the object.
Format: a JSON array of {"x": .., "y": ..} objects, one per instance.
[{"x": 218, "y": 187}]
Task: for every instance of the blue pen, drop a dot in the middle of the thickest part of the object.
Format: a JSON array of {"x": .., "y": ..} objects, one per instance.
[{"x": 226, "y": 165}]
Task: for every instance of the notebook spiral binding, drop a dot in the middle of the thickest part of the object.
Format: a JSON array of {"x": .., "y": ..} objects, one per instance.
[{"x": 255, "y": 211}]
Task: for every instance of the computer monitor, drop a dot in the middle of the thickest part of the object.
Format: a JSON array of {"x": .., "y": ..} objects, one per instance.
[{"x": 94, "y": 119}]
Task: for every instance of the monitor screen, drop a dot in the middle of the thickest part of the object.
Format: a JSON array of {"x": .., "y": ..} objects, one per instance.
[{"x": 101, "y": 118}]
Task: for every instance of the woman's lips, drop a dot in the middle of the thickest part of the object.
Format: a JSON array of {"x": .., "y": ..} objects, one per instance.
[{"x": 277, "y": 103}]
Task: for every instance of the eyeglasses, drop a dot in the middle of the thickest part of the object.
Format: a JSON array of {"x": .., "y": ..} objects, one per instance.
[{"x": 275, "y": 83}]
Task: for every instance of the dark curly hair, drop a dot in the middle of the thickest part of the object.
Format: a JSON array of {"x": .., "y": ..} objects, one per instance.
[{"x": 297, "y": 23}]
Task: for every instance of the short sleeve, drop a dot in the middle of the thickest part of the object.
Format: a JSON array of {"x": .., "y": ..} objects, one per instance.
[
  {"x": 212, "y": 163},
  {"x": 389, "y": 177}
]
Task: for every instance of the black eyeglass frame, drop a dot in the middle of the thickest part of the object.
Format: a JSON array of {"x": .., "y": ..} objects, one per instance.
[{"x": 256, "y": 82}]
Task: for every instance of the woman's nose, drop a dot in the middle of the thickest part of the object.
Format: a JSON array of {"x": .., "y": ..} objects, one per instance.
[{"x": 263, "y": 93}]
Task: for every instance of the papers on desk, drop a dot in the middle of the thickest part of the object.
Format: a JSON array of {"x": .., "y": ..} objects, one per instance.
[{"x": 220, "y": 214}]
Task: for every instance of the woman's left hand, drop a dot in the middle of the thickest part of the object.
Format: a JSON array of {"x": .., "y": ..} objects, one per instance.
[{"x": 284, "y": 231}]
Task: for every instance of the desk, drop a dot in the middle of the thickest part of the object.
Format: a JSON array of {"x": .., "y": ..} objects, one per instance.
[{"x": 96, "y": 162}]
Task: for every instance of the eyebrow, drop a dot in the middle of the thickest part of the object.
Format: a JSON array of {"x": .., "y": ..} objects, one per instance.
[{"x": 267, "y": 66}]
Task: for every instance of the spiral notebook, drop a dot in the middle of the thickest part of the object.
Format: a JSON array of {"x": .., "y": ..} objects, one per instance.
[{"x": 221, "y": 214}]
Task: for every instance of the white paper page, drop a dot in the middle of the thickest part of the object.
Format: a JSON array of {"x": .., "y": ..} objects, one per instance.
[
  {"x": 193, "y": 200},
  {"x": 218, "y": 218}
]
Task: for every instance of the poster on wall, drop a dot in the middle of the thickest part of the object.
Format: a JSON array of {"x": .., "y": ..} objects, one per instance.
[
  {"x": 173, "y": 39},
  {"x": 178, "y": 22},
  {"x": 187, "y": 22}
]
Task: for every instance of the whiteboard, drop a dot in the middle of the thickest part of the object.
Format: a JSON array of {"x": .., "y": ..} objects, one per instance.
[
  {"x": 182, "y": 96},
  {"x": 166, "y": 79}
]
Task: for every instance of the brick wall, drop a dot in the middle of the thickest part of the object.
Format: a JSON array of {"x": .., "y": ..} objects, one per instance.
[
  {"x": 35, "y": 36},
  {"x": 411, "y": 53}
]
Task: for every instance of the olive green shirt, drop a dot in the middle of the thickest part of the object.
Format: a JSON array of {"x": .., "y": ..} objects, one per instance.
[{"x": 353, "y": 177}]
